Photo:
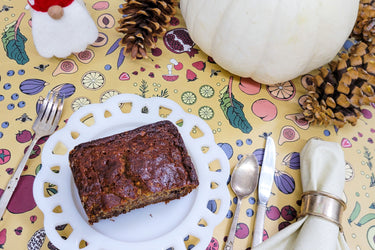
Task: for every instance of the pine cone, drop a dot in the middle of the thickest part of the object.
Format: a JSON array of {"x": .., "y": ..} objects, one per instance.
[
  {"x": 142, "y": 22},
  {"x": 364, "y": 29},
  {"x": 337, "y": 93}
]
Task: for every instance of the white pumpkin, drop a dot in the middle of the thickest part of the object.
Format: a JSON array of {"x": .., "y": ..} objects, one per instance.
[{"x": 270, "y": 41}]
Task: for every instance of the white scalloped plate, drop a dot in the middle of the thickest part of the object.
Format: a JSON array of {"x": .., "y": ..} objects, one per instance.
[{"x": 158, "y": 226}]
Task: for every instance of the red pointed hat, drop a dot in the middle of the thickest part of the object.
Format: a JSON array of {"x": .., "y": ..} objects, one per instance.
[{"x": 43, "y": 5}]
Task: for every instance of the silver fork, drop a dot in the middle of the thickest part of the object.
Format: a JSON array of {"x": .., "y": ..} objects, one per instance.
[{"x": 45, "y": 124}]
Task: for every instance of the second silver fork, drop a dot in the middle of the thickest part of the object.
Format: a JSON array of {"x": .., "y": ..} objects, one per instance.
[{"x": 45, "y": 124}]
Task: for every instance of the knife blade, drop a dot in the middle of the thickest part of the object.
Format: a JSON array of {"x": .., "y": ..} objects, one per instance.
[{"x": 264, "y": 188}]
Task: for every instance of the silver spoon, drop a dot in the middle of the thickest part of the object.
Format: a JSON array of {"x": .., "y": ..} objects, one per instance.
[{"x": 244, "y": 181}]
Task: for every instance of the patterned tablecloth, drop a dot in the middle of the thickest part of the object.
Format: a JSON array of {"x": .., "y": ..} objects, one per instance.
[{"x": 202, "y": 88}]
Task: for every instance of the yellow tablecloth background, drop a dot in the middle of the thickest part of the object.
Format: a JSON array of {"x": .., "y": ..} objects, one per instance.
[{"x": 18, "y": 229}]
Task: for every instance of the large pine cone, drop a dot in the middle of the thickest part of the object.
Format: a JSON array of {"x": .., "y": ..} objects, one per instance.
[
  {"x": 142, "y": 22},
  {"x": 364, "y": 29},
  {"x": 337, "y": 93}
]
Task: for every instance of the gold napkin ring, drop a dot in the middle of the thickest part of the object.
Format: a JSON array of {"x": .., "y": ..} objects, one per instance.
[{"x": 324, "y": 205}]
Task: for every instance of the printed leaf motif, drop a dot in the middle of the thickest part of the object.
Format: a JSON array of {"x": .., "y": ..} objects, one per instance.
[
  {"x": 237, "y": 117},
  {"x": 224, "y": 100},
  {"x": 14, "y": 42},
  {"x": 355, "y": 213},
  {"x": 114, "y": 46},
  {"x": 365, "y": 219},
  {"x": 121, "y": 57},
  {"x": 233, "y": 111}
]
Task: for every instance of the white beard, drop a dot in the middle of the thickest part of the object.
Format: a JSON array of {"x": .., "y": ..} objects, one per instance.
[{"x": 70, "y": 34}]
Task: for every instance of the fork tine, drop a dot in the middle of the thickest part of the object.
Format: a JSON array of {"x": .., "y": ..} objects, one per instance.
[
  {"x": 49, "y": 108},
  {"x": 58, "y": 113},
  {"x": 42, "y": 109},
  {"x": 44, "y": 105}
]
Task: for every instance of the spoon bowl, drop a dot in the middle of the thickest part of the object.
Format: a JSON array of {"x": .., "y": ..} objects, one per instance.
[{"x": 244, "y": 181}]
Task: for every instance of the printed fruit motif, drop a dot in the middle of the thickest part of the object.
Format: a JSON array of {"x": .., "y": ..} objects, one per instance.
[
  {"x": 259, "y": 153},
  {"x": 108, "y": 94},
  {"x": 124, "y": 76},
  {"x": 366, "y": 113},
  {"x": 4, "y": 156},
  {"x": 288, "y": 134},
  {"x": 206, "y": 112},
  {"x": 227, "y": 148},
  {"x": 18, "y": 230},
  {"x": 283, "y": 225},
  {"x": 65, "y": 90},
  {"x": 206, "y": 91},
  {"x": 32, "y": 86},
  {"x": 273, "y": 213},
  {"x": 264, "y": 109},
  {"x": 199, "y": 65},
  {"x": 80, "y": 102},
  {"x": 178, "y": 41},
  {"x": 35, "y": 152},
  {"x": 307, "y": 81},
  {"x": 85, "y": 56},
  {"x": 66, "y": 66},
  {"x": 188, "y": 98},
  {"x": 249, "y": 86},
  {"x": 299, "y": 120},
  {"x": 106, "y": 21},
  {"x": 93, "y": 80},
  {"x": 284, "y": 182},
  {"x": 33, "y": 218},
  {"x": 292, "y": 160},
  {"x": 265, "y": 235},
  {"x": 214, "y": 244},
  {"x": 282, "y": 91},
  {"x": 156, "y": 52},
  {"x": 3, "y": 237},
  {"x": 101, "y": 5},
  {"x": 212, "y": 206},
  {"x": 242, "y": 231},
  {"x": 288, "y": 213},
  {"x": 345, "y": 143},
  {"x": 23, "y": 136},
  {"x": 42, "y": 140},
  {"x": 22, "y": 199},
  {"x": 101, "y": 40},
  {"x": 190, "y": 75}
]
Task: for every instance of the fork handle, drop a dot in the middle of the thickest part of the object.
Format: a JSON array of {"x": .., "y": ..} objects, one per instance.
[{"x": 12, "y": 184}]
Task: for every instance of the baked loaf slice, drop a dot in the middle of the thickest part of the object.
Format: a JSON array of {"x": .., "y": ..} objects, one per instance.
[{"x": 130, "y": 170}]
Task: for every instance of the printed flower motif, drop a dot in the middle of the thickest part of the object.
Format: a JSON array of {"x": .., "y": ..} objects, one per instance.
[
  {"x": 206, "y": 91},
  {"x": 206, "y": 112},
  {"x": 93, "y": 80},
  {"x": 80, "y": 102},
  {"x": 188, "y": 98}
]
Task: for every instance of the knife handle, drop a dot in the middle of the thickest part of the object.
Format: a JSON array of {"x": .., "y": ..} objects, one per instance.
[{"x": 259, "y": 225}]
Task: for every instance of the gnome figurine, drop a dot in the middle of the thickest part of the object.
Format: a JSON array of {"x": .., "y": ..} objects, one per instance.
[{"x": 61, "y": 27}]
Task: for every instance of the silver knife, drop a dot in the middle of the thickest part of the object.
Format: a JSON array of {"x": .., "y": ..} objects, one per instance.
[{"x": 264, "y": 189}]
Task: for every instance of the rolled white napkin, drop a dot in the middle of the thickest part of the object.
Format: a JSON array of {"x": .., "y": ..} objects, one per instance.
[{"x": 322, "y": 169}]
